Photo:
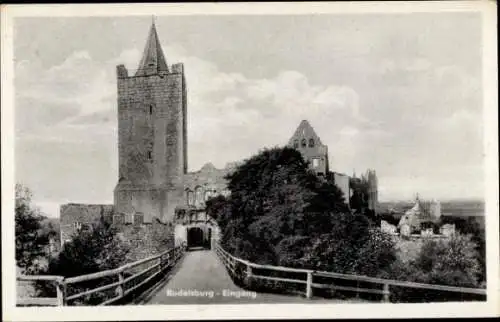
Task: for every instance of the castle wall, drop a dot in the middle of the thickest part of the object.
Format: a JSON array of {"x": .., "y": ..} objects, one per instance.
[
  {"x": 207, "y": 182},
  {"x": 146, "y": 239},
  {"x": 342, "y": 181},
  {"x": 75, "y": 216}
]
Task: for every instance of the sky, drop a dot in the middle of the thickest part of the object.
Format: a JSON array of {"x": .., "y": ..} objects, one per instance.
[{"x": 398, "y": 93}]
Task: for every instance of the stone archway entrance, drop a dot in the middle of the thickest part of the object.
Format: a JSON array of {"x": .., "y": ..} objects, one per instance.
[{"x": 195, "y": 237}]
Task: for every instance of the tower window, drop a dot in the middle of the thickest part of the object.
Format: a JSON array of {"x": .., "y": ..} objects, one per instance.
[
  {"x": 150, "y": 155},
  {"x": 311, "y": 143},
  {"x": 150, "y": 109},
  {"x": 296, "y": 144},
  {"x": 303, "y": 143}
]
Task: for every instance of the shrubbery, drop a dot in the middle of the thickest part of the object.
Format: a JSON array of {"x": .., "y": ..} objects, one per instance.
[
  {"x": 89, "y": 251},
  {"x": 280, "y": 213},
  {"x": 469, "y": 226},
  {"x": 452, "y": 262}
]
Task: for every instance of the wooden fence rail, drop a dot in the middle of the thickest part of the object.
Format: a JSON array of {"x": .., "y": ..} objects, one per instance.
[
  {"x": 137, "y": 273},
  {"x": 376, "y": 286}
]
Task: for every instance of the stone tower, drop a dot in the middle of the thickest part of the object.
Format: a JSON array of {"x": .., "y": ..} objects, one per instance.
[
  {"x": 152, "y": 138},
  {"x": 372, "y": 190},
  {"x": 309, "y": 144}
]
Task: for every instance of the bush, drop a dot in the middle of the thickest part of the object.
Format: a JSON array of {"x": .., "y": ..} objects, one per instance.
[
  {"x": 450, "y": 262},
  {"x": 281, "y": 213},
  {"x": 89, "y": 251},
  {"x": 471, "y": 226}
]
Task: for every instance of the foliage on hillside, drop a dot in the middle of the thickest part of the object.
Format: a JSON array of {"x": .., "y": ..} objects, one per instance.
[
  {"x": 444, "y": 261},
  {"x": 281, "y": 213},
  {"x": 470, "y": 226},
  {"x": 451, "y": 262}
]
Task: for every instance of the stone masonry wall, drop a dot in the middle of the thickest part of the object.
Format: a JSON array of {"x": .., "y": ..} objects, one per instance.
[
  {"x": 146, "y": 240},
  {"x": 152, "y": 143},
  {"x": 342, "y": 181},
  {"x": 73, "y": 215}
]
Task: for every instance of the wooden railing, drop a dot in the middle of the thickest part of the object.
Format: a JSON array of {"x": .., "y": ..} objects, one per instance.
[
  {"x": 319, "y": 280},
  {"x": 111, "y": 285}
]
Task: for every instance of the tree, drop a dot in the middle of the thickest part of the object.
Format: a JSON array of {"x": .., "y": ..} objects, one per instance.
[
  {"x": 31, "y": 242},
  {"x": 470, "y": 226},
  {"x": 450, "y": 262},
  {"x": 218, "y": 208},
  {"x": 271, "y": 195},
  {"x": 51, "y": 228},
  {"x": 90, "y": 251},
  {"x": 443, "y": 262},
  {"x": 279, "y": 212}
]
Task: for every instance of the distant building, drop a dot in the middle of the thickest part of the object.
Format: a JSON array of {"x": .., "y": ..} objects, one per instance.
[
  {"x": 423, "y": 216},
  {"x": 387, "y": 228},
  {"x": 447, "y": 230},
  {"x": 364, "y": 191}
]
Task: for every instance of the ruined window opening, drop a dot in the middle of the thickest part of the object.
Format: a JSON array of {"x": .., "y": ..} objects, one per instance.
[
  {"x": 304, "y": 144},
  {"x": 311, "y": 143},
  {"x": 150, "y": 109},
  {"x": 78, "y": 225},
  {"x": 150, "y": 155},
  {"x": 315, "y": 162},
  {"x": 296, "y": 144}
]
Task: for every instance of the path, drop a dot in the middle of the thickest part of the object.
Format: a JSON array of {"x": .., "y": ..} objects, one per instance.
[{"x": 202, "y": 279}]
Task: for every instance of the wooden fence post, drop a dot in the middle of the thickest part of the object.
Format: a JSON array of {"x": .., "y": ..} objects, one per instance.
[
  {"x": 309, "y": 292},
  {"x": 119, "y": 289},
  {"x": 386, "y": 293},
  {"x": 248, "y": 275},
  {"x": 61, "y": 292}
]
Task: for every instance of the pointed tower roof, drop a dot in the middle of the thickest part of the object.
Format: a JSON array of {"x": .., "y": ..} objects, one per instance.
[
  {"x": 153, "y": 60},
  {"x": 306, "y": 131}
]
